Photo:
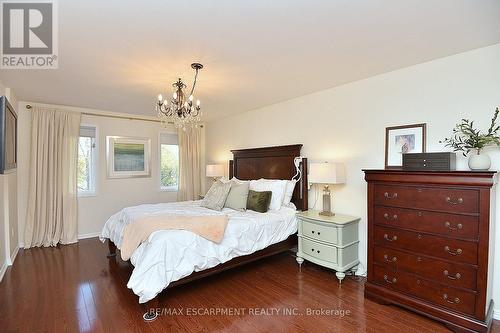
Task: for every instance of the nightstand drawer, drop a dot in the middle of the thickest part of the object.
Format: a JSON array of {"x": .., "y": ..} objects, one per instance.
[
  {"x": 319, "y": 232},
  {"x": 317, "y": 250}
]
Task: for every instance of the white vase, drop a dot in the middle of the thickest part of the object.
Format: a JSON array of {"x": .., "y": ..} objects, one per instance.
[{"x": 479, "y": 162}]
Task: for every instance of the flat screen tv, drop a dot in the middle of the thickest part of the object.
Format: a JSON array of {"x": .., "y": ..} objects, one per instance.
[{"x": 8, "y": 136}]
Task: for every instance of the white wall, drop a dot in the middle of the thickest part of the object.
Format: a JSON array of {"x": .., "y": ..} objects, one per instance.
[
  {"x": 347, "y": 123},
  {"x": 4, "y": 222},
  {"x": 8, "y": 205},
  {"x": 112, "y": 194},
  {"x": 3, "y": 234}
]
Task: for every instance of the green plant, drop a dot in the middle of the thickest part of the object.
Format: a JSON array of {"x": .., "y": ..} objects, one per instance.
[{"x": 466, "y": 137}]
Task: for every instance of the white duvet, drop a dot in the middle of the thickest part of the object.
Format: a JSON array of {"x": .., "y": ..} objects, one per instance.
[{"x": 170, "y": 255}]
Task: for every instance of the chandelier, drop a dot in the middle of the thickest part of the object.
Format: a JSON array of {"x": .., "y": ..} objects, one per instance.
[{"x": 181, "y": 111}]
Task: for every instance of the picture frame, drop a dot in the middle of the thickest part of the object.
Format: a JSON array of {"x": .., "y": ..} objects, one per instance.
[
  {"x": 128, "y": 157},
  {"x": 403, "y": 139}
]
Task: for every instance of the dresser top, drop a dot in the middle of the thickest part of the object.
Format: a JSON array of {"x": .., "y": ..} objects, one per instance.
[
  {"x": 466, "y": 178},
  {"x": 451, "y": 173},
  {"x": 335, "y": 219}
]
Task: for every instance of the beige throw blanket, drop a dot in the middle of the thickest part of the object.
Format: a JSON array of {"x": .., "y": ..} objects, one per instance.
[{"x": 210, "y": 227}]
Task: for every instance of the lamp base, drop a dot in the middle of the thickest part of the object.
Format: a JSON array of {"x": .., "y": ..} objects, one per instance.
[{"x": 327, "y": 211}]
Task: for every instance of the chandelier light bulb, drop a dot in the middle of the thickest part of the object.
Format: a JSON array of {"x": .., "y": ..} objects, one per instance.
[
  {"x": 160, "y": 97},
  {"x": 174, "y": 95},
  {"x": 198, "y": 103},
  {"x": 191, "y": 98}
]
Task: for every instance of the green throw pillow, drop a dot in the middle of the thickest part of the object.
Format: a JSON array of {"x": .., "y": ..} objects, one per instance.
[{"x": 259, "y": 201}]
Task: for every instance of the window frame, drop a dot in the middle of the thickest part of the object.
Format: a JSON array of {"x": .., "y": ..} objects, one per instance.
[
  {"x": 94, "y": 165},
  {"x": 167, "y": 188}
]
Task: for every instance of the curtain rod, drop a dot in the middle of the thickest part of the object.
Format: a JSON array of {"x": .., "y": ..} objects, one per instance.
[{"x": 29, "y": 107}]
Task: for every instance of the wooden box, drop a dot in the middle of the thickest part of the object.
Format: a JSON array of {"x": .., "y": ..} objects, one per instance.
[{"x": 429, "y": 162}]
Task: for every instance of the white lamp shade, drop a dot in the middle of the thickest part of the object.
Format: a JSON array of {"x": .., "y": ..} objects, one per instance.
[
  {"x": 215, "y": 170},
  {"x": 327, "y": 173}
]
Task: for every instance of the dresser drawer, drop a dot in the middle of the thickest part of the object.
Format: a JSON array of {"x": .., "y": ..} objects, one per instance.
[
  {"x": 454, "y": 275},
  {"x": 319, "y": 232},
  {"x": 432, "y": 198},
  {"x": 436, "y": 246},
  {"x": 460, "y": 226},
  {"x": 450, "y": 298},
  {"x": 317, "y": 250}
]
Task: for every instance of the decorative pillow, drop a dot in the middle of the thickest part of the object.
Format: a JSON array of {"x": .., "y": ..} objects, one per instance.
[
  {"x": 277, "y": 187},
  {"x": 259, "y": 201},
  {"x": 238, "y": 195},
  {"x": 216, "y": 195},
  {"x": 290, "y": 186}
]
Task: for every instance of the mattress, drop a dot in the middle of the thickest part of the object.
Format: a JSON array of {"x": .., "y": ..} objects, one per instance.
[{"x": 170, "y": 255}]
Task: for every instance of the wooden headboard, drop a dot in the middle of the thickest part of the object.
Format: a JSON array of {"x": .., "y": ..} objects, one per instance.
[{"x": 271, "y": 163}]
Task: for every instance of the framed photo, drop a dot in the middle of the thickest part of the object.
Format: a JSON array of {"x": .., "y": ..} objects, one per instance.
[
  {"x": 403, "y": 139},
  {"x": 128, "y": 157}
]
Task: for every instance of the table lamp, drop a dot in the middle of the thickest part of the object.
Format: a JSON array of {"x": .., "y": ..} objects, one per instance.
[
  {"x": 215, "y": 171},
  {"x": 326, "y": 174}
]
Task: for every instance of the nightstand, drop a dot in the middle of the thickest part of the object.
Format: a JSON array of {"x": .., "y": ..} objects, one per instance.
[{"x": 329, "y": 241}]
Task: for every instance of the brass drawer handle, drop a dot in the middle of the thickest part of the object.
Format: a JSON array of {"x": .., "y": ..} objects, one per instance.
[
  {"x": 451, "y": 277},
  {"x": 448, "y": 225},
  {"x": 319, "y": 233},
  {"x": 386, "y": 259},
  {"x": 456, "y": 253},
  {"x": 387, "y": 196},
  {"x": 456, "y": 300},
  {"x": 390, "y": 218},
  {"x": 386, "y": 279},
  {"x": 392, "y": 239},
  {"x": 458, "y": 202}
]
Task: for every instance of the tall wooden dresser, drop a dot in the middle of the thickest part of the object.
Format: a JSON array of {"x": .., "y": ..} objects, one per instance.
[{"x": 429, "y": 244}]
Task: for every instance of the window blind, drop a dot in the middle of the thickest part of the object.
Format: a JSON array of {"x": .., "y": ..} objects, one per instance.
[
  {"x": 87, "y": 131},
  {"x": 169, "y": 138}
]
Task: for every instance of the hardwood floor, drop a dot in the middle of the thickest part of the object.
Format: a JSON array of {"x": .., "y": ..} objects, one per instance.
[{"x": 76, "y": 288}]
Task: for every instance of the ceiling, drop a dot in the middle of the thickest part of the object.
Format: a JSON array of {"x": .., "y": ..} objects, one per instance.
[{"x": 117, "y": 55}]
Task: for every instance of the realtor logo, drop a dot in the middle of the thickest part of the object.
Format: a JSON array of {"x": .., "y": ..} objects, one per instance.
[{"x": 29, "y": 34}]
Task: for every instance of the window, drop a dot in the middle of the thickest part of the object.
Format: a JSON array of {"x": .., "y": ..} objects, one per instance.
[
  {"x": 87, "y": 161},
  {"x": 169, "y": 162}
]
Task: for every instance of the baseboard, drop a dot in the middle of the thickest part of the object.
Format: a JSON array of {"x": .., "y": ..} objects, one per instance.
[
  {"x": 496, "y": 314},
  {"x": 2, "y": 271},
  {"x": 14, "y": 255},
  {"x": 90, "y": 235},
  {"x": 82, "y": 236}
]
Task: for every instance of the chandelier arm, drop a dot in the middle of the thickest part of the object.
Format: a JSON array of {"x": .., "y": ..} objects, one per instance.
[{"x": 167, "y": 111}]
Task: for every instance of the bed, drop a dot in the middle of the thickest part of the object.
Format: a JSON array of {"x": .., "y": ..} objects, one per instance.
[{"x": 249, "y": 236}]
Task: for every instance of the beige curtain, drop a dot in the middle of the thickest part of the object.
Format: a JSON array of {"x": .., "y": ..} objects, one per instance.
[
  {"x": 52, "y": 206},
  {"x": 189, "y": 164}
]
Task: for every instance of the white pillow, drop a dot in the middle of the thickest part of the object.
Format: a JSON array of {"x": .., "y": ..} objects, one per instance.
[
  {"x": 290, "y": 186},
  {"x": 239, "y": 181},
  {"x": 277, "y": 187}
]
